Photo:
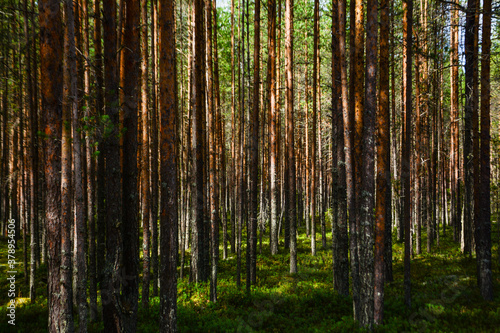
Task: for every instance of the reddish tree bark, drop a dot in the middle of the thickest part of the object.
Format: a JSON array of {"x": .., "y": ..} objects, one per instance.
[{"x": 51, "y": 58}]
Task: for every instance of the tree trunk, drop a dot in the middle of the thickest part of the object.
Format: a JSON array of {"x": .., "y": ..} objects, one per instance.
[
  {"x": 339, "y": 111},
  {"x": 290, "y": 151},
  {"x": 113, "y": 191},
  {"x": 130, "y": 73},
  {"x": 70, "y": 107},
  {"x": 456, "y": 206},
  {"x": 469, "y": 110},
  {"x": 168, "y": 130},
  {"x": 406, "y": 142},
  {"x": 197, "y": 262},
  {"x": 51, "y": 50},
  {"x": 155, "y": 189},
  {"x": 145, "y": 167},
  {"x": 254, "y": 150},
  {"x": 483, "y": 224},
  {"x": 273, "y": 114},
  {"x": 357, "y": 108},
  {"x": 367, "y": 205},
  {"x": 33, "y": 213},
  {"x": 382, "y": 206}
]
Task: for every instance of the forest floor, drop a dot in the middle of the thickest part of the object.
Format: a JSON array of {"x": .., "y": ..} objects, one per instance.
[{"x": 445, "y": 297}]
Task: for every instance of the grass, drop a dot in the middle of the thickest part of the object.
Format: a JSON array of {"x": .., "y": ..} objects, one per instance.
[{"x": 445, "y": 297}]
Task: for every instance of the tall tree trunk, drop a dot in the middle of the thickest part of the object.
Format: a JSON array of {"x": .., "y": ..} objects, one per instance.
[
  {"x": 101, "y": 170},
  {"x": 145, "y": 167},
  {"x": 51, "y": 50},
  {"x": 469, "y": 110},
  {"x": 169, "y": 206},
  {"x": 70, "y": 106},
  {"x": 314, "y": 127},
  {"x": 197, "y": 262},
  {"x": 456, "y": 206},
  {"x": 241, "y": 134},
  {"x": 83, "y": 194},
  {"x": 113, "y": 191},
  {"x": 406, "y": 142},
  {"x": 367, "y": 204},
  {"x": 339, "y": 111},
  {"x": 212, "y": 147},
  {"x": 254, "y": 150},
  {"x": 233, "y": 133},
  {"x": 290, "y": 151},
  {"x": 483, "y": 224},
  {"x": 130, "y": 73},
  {"x": 419, "y": 156},
  {"x": 382, "y": 206},
  {"x": 357, "y": 109},
  {"x": 155, "y": 189},
  {"x": 33, "y": 155},
  {"x": 221, "y": 178},
  {"x": 273, "y": 114}
]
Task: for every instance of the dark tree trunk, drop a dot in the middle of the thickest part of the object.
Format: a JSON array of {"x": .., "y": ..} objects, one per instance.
[
  {"x": 339, "y": 109},
  {"x": 113, "y": 192},
  {"x": 169, "y": 192},
  {"x": 254, "y": 150},
  {"x": 469, "y": 110},
  {"x": 483, "y": 224},
  {"x": 130, "y": 72},
  {"x": 197, "y": 255}
]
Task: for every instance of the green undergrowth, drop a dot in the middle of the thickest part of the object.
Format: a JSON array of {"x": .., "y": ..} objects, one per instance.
[{"x": 445, "y": 297}]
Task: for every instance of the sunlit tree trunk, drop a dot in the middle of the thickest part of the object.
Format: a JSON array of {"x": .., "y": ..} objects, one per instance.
[
  {"x": 314, "y": 127},
  {"x": 406, "y": 142},
  {"x": 273, "y": 114}
]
